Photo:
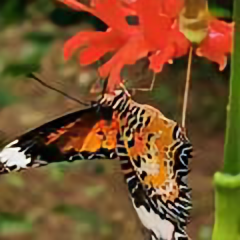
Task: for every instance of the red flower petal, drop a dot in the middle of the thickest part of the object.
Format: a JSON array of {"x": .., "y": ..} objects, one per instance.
[
  {"x": 106, "y": 10},
  {"x": 127, "y": 6},
  {"x": 176, "y": 46},
  {"x": 155, "y": 33},
  {"x": 91, "y": 55},
  {"x": 109, "y": 41},
  {"x": 221, "y": 26},
  {"x": 172, "y": 8},
  {"x": 218, "y": 43},
  {"x": 158, "y": 59},
  {"x": 79, "y": 40},
  {"x": 213, "y": 56},
  {"x": 77, "y": 6},
  {"x": 155, "y": 27},
  {"x": 180, "y": 42},
  {"x": 111, "y": 13},
  {"x": 133, "y": 50}
]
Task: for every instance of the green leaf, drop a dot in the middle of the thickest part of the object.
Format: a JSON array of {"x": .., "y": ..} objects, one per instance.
[
  {"x": 11, "y": 224},
  {"x": 18, "y": 69}
]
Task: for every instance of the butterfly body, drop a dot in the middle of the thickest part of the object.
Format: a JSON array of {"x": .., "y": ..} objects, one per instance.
[{"x": 153, "y": 152}]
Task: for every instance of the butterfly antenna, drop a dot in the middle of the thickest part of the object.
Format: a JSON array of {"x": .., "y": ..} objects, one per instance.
[
  {"x": 31, "y": 75},
  {"x": 186, "y": 91}
]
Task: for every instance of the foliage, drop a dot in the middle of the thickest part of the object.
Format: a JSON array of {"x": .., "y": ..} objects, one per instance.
[{"x": 12, "y": 224}]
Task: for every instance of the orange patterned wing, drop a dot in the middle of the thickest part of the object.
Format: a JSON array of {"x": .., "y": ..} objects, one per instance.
[
  {"x": 159, "y": 152},
  {"x": 154, "y": 154},
  {"x": 85, "y": 134}
]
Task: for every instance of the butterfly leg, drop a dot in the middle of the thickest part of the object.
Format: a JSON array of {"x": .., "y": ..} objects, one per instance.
[{"x": 147, "y": 89}]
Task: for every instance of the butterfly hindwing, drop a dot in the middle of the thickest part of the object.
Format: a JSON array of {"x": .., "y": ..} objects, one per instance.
[
  {"x": 85, "y": 134},
  {"x": 154, "y": 154}
]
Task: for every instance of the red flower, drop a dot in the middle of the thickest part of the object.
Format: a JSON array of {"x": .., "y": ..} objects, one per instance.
[
  {"x": 155, "y": 35},
  {"x": 134, "y": 49},
  {"x": 218, "y": 43}
]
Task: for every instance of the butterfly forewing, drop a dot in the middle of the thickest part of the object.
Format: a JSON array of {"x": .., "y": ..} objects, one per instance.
[{"x": 78, "y": 135}]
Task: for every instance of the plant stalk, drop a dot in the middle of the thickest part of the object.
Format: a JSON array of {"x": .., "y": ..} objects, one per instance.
[
  {"x": 227, "y": 183},
  {"x": 232, "y": 140}
]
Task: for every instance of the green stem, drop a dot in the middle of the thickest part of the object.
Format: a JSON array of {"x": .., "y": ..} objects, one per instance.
[
  {"x": 227, "y": 184},
  {"x": 227, "y": 211},
  {"x": 232, "y": 141}
]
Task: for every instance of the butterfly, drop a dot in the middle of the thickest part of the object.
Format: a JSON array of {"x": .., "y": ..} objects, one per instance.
[{"x": 153, "y": 151}]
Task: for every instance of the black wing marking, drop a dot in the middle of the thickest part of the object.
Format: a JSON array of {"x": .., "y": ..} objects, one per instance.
[{"x": 59, "y": 140}]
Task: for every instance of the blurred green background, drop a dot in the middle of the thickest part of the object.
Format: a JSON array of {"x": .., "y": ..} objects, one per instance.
[{"x": 88, "y": 200}]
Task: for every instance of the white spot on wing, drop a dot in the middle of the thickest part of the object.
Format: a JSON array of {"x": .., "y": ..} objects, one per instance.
[
  {"x": 11, "y": 143},
  {"x": 163, "y": 229},
  {"x": 150, "y": 168},
  {"x": 12, "y": 156}
]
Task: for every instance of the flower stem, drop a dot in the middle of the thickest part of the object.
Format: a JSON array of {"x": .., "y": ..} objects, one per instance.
[
  {"x": 186, "y": 91},
  {"x": 227, "y": 183}
]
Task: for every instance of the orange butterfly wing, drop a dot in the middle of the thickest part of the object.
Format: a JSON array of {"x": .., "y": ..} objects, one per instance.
[
  {"x": 154, "y": 154},
  {"x": 79, "y": 135}
]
